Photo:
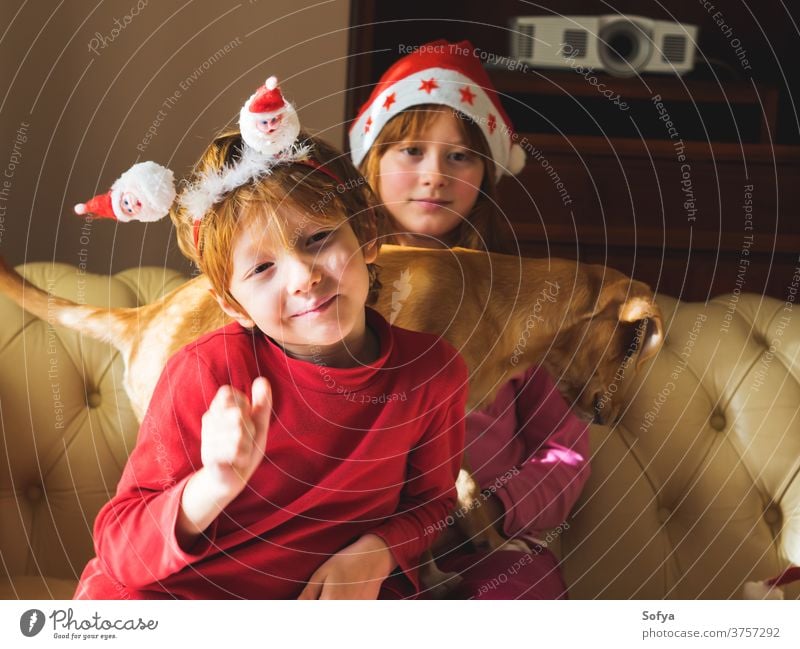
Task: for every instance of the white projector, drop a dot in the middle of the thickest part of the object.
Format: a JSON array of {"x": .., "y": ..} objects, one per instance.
[{"x": 622, "y": 45}]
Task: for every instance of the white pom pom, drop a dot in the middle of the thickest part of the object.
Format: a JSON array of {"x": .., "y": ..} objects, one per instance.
[
  {"x": 516, "y": 159},
  {"x": 760, "y": 590},
  {"x": 80, "y": 209},
  {"x": 271, "y": 83},
  {"x": 153, "y": 185}
]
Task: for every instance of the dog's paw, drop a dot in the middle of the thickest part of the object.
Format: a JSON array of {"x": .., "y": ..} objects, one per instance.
[
  {"x": 516, "y": 545},
  {"x": 487, "y": 540},
  {"x": 438, "y": 583},
  {"x": 449, "y": 581}
]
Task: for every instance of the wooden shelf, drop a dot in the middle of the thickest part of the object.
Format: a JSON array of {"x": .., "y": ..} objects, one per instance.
[
  {"x": 631, "y": 147},
  {"x": 550, "y": 82},
  {"x": 571, "y": 88},
  {"x": 651, "y": 238}
]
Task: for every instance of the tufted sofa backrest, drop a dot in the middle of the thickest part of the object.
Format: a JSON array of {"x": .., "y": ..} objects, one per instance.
[
  {"x": 65, "y": 420},
  {"x": 698, "y": 489}
]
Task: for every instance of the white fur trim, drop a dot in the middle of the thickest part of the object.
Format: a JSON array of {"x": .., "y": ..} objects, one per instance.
[
  {"x": 152, "y": 184},
  {"x": 760, "y": 590},
  {"x": 261, "y": 152},
  {"x": 198, "y": 198},
  {"x": 516, "y": 159}
]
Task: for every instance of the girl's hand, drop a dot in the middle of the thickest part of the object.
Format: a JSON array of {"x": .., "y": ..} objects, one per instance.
[
  {"x": 234, "y": 435},
  {"x": 454, "y": 536},
  {"x": 356, "y": 572}
]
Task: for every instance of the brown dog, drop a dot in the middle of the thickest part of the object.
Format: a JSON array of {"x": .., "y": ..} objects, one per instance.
[{"x": 590, "y": 326}]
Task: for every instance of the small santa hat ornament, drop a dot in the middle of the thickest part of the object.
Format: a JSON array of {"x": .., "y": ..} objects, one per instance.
[
  {"x": 268, "y": 123},
  {"x": 145, "y": 192},
  {"x": 270, "y": 128},
  {"x": 448, "y": 74},
  {"x": 769, "y": 589},
  {"x": 100, "y": 206},
  {"x": 268, "y": 98}
]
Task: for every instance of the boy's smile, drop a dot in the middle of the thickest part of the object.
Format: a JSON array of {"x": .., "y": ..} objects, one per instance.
[
  {"x": 304, "y": 284},
  {"x": 319, "y": 307}
]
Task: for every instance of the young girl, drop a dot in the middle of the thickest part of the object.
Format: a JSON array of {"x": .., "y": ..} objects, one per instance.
[
  {"x": 293, "y": 452},
  {"x": 433, "y": 140}
]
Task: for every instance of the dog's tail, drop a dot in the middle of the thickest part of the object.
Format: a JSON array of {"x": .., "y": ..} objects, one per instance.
[{"x": 104, "y": 324}]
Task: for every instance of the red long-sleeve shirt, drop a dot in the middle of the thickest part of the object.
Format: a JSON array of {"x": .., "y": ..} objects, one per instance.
[{"x": 373, "y": 449}]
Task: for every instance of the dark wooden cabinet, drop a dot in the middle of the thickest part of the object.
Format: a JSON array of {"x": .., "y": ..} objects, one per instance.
[{"x": 694, "y": 187}]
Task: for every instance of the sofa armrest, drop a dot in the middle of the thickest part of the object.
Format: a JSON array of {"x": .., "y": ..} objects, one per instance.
[{"x": 66, "y": 423}]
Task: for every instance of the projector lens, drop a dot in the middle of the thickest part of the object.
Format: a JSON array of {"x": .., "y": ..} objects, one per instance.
[{"x": 624, "y": 48}]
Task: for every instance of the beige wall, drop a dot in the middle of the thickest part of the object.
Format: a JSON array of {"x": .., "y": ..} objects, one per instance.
[{"x": 79, "y": 94}]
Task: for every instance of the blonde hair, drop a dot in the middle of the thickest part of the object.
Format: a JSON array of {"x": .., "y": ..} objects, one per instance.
[
  {"x": 483, "y": 227},
  {"x": 294, "y": 186}
]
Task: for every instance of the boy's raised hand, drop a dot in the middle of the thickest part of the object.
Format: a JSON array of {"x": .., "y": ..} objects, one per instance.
[
  {"x": 233, "y": 439},
  {"x": 234, "y": 434}
]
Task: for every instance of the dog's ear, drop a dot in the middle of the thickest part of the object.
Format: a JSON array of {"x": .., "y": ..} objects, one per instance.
[
  {"x": 641, "y": 308},
  {"x": 629, "y": 301}
]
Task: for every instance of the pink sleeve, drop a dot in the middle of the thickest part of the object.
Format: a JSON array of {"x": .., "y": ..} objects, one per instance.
[
  {"x": 135, "y": 532},
  {"x": 556, "y": 464},
  {"x": 429, "y": 495}
]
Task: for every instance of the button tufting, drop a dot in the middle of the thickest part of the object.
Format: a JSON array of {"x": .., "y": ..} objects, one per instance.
[
  {"x": 34, "y": 493},
  {"x": 663, "y": 514},
  {"x": 717, "y": 421},
  {"x": 772, "y": 514},
  {"x": 94, "y": 399}
]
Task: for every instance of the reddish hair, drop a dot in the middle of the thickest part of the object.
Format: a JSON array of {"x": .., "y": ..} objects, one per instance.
[{"x": 296, "y": 186}]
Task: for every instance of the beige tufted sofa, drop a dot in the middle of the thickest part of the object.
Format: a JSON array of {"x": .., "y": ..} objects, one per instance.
[{"x": 695, "y": 492}]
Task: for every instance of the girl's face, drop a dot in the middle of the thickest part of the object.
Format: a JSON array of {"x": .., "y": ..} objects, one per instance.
[{"x": 430, "y": 183}]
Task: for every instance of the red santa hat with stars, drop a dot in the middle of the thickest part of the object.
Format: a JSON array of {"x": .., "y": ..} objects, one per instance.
[{"x": 444, "y": 73}]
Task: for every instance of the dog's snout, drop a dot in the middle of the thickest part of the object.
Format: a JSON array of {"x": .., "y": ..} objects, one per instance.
[
  {"x": 604, "y": 412},
  {"x": 597, "y": 407}
]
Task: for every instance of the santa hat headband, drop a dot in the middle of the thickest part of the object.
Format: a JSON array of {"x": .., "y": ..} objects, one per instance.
[
  {"x": 769, "y": 589},
  {"x": 449, "y": 74},
  {"x": 269, "y": 126}
]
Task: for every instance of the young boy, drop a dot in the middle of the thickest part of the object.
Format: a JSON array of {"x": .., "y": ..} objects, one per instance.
[{"x": 305, "y": 449}]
